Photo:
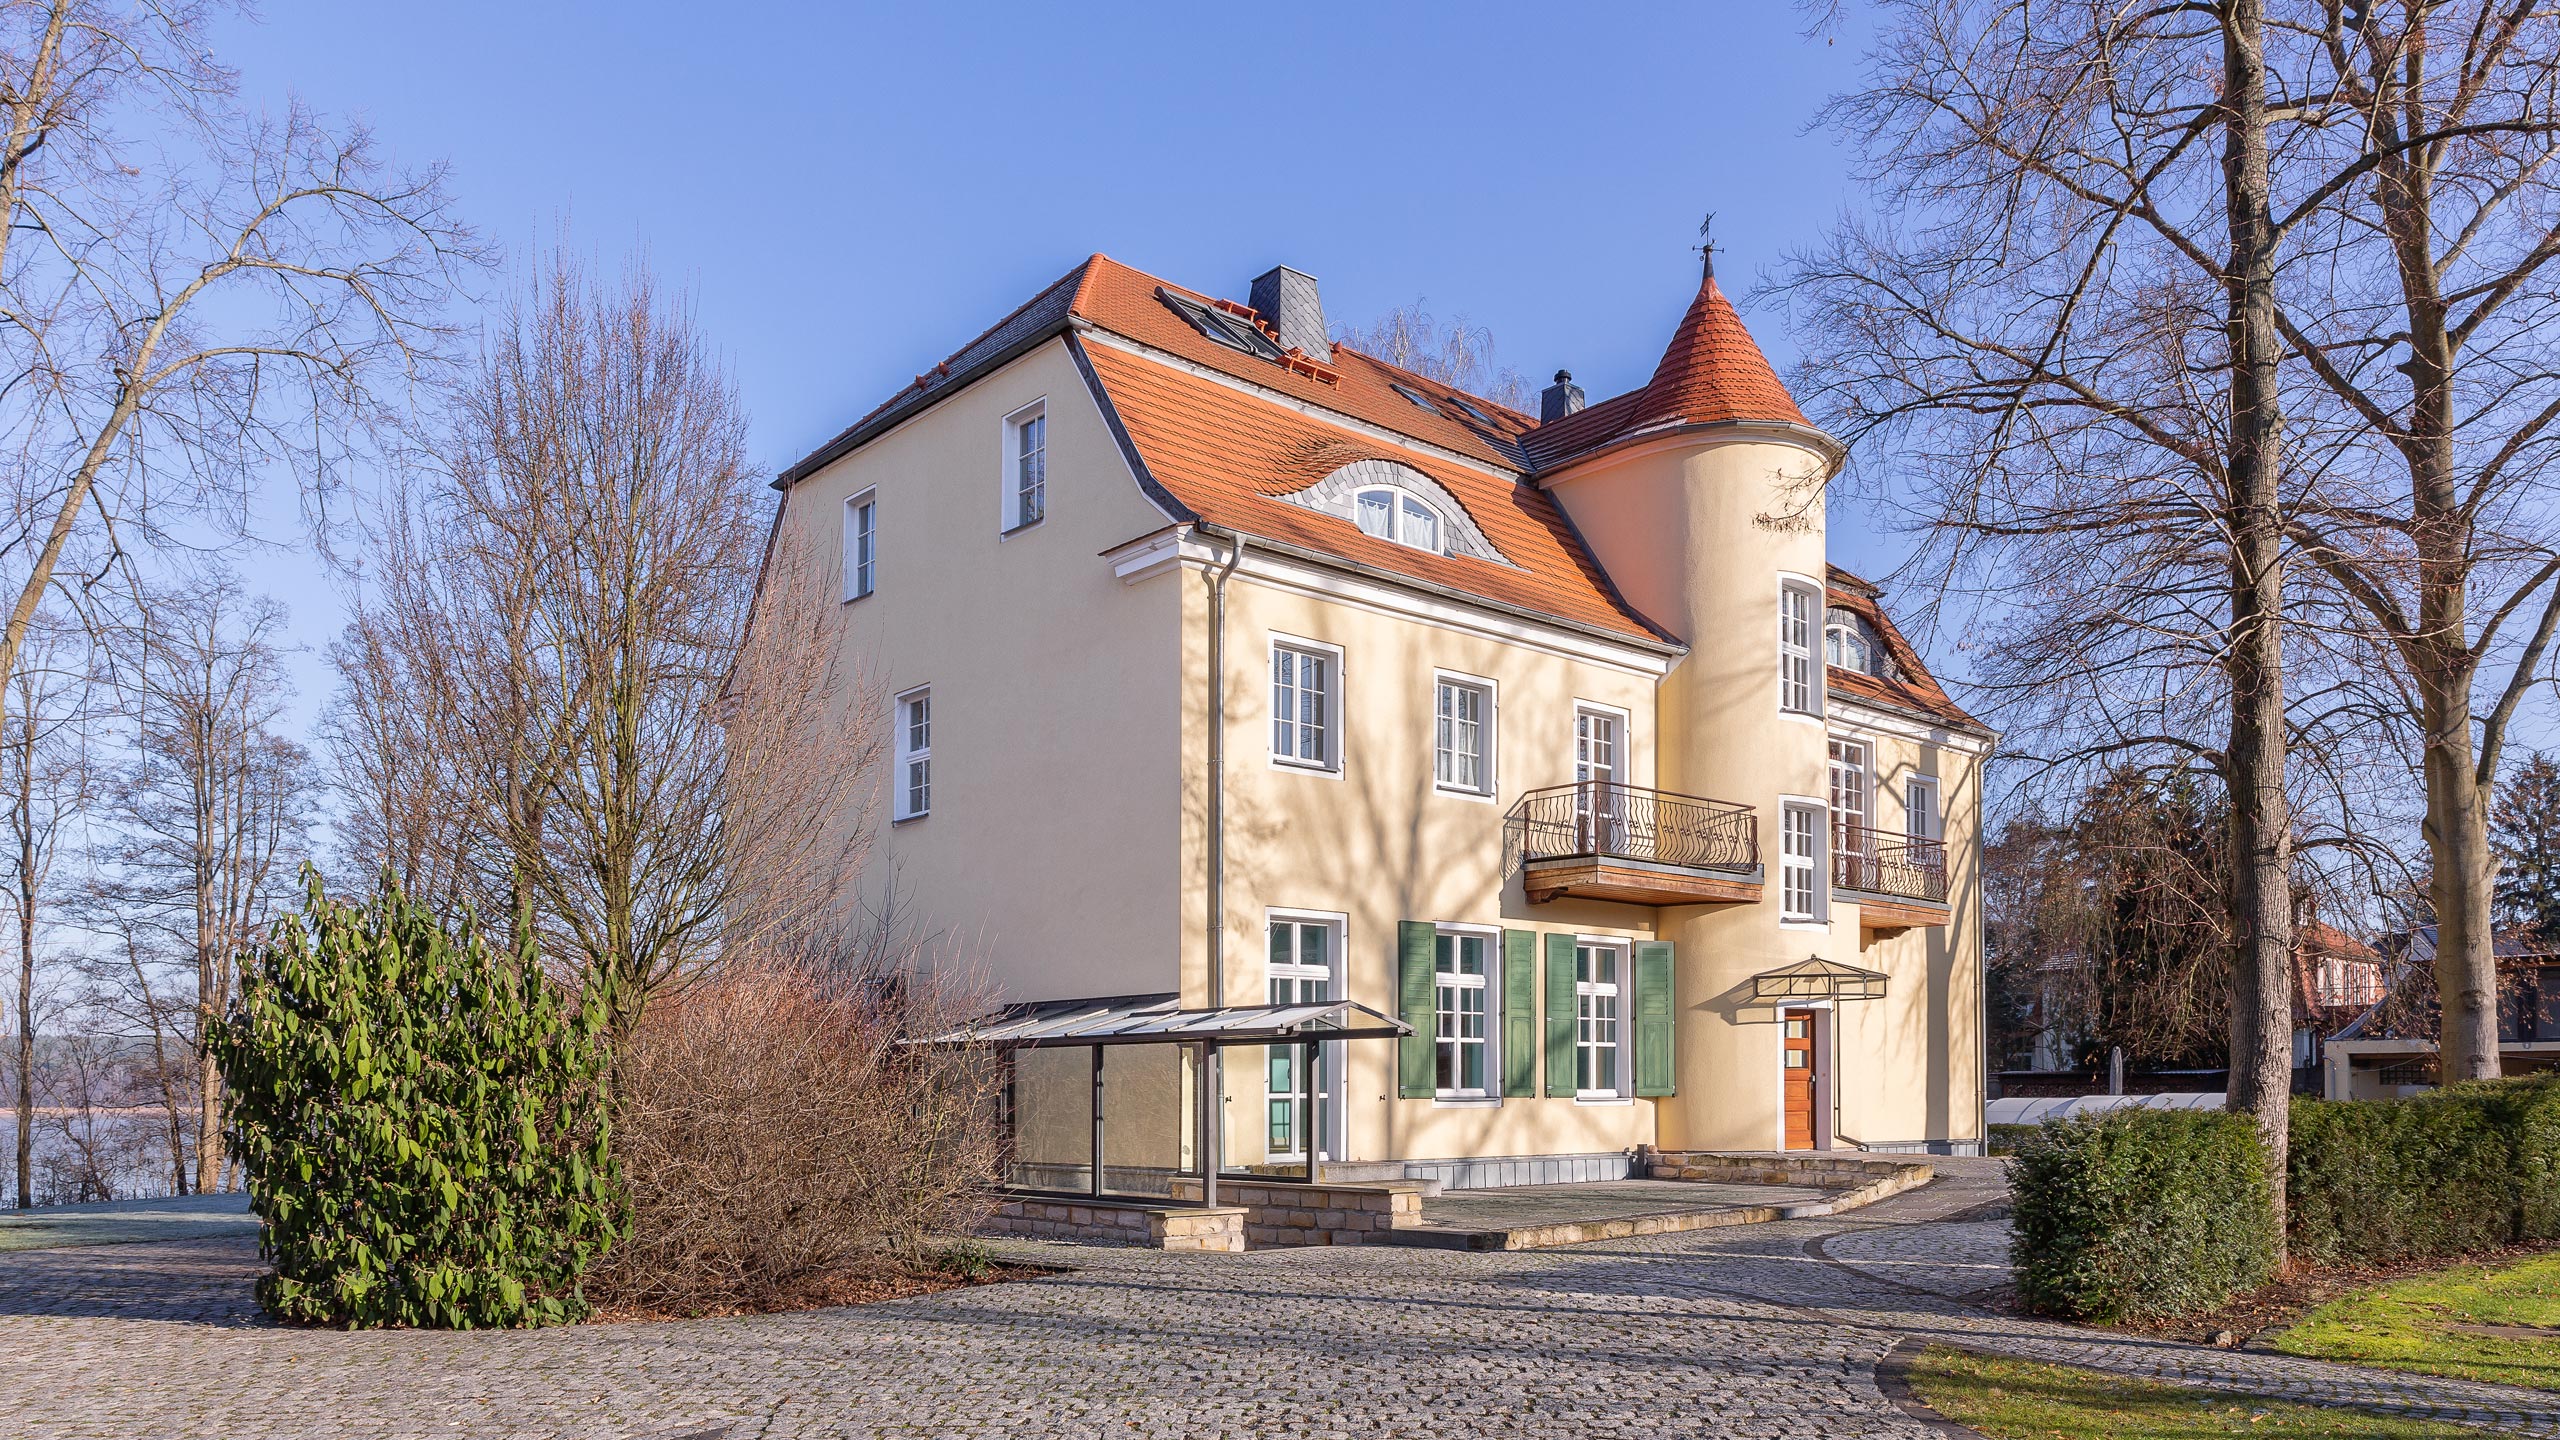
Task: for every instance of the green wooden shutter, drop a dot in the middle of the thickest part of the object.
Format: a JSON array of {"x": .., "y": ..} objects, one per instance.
[
  {"x": 1563, "y": 1077},
  {"x": 1654, "y": 1014},
  {"x": 1417, "y": 998},
  {"x": 1519, "y": 1012}
]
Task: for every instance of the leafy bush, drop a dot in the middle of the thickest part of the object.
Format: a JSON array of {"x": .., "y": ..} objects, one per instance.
[
  {"x": 776, "y": 1135},
  {"x": 2138, "y": 1213},
  {"x": 420, "y": 1116},
  {"x": 2446, "y": 1172}
]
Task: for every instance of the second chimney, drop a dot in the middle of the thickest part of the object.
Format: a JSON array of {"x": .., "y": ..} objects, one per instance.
[
  {"x": 1560, "y": 399},
  {"x": 1286, "y": 300}
]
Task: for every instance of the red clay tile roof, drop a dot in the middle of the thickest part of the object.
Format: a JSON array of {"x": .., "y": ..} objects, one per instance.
[
  {"x": 1124, "y": 302},
  {"x": 1229, "y": 455},
  {"x": 1711, "y": 373},
  {"x": 1916, "y": 689}
]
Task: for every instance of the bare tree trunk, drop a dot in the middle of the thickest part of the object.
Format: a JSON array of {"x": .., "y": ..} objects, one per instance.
[
  {"x": 26, "y": 966},
  {"x": 2261, "y": 1082}
]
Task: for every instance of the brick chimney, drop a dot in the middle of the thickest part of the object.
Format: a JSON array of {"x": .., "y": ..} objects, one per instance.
[{"x": 1286, "y": 300}]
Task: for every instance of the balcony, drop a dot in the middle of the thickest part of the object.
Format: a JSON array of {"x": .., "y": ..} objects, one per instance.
[
  {"x": 1596, "y": 841},
  {"x": 1895, "y": 881}
]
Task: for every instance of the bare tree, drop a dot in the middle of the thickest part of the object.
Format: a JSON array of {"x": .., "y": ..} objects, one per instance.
[
  {"x": 191, "y": 297},
  {"x": 2424, "y": 341},
  {"x": 1454, "y": 353},
  {"x": 567, "y": 596},
  {"x": 207, "y": 819},
  {"x": 47, "y": 771}
]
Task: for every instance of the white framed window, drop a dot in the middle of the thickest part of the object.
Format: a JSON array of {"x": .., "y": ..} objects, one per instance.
[
  {"x": 1921, "y": 818},
  {"x": 1304, "y": 949},
  {"x": 861, "y": 543},
  {"x": 1026, "y": 465},
  {"x": 1598, "y": 1035},
  {"x": 1462, "y": 735},
  {"x": 1398, "y": 515},
  {"x": 1799, "y": 668},
  {"x": 1306, "y": 705},
  {"x": 1799, "y": 860},
  {"x": 1852, "y": 797},
  {"x": 913, "y": 780},
  {"x": 1599, "y": 766},
  {"x": 1465, "y": 1026}
]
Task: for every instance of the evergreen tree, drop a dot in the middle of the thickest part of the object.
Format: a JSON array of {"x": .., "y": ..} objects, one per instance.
[{"x": 2524, "y": 830}]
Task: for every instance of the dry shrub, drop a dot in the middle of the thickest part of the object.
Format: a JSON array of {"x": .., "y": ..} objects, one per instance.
[{"x": 776, "y": 1135}]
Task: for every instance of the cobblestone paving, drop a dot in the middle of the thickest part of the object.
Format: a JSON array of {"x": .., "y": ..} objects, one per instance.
[{"x": 1760, "y": 1332}]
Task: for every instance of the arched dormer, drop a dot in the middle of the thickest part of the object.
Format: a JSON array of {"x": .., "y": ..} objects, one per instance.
[{"x": 1398, "y": 503}]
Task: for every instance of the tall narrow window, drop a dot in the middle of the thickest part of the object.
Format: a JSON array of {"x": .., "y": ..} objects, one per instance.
[
  {"x": 915, "y": 756},
  {"x": 1798, "y": 680},
  {"x": 1026, "y": 467},
  {"x": 1850, "y": 807},
  {"x": 1921, "y": 820},
  {"x": 1295, "y": 1075},
  {"x": 1595, "y": 1035},
  {"x": 1302, "y": 700},
  {"x": 1800, "y": 862},
  {"x": 1596, "y": 797},
  {"x": 1462, "y": 734},
  {"x": 861, "y": 543},
  {"x": 1460, "y": 1019}
]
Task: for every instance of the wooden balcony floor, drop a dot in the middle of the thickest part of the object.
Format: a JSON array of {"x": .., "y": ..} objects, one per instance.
[{"x": 1636, "y": 882}]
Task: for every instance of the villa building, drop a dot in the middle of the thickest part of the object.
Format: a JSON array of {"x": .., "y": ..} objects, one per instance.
[{"x": 1497, "y": 794}]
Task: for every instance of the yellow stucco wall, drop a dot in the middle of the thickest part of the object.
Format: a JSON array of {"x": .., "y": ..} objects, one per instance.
[{"x": 1047, "y": 864}]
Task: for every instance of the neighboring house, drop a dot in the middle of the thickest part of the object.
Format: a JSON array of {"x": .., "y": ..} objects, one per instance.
[
  {"x": 2390, "y": 1048},
  {"x": 1557, "y": 739}
]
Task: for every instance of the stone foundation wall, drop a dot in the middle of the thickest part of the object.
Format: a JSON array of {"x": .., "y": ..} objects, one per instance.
[
  {"x": 1159, "y": 1227},
  {"x": 1285, "y": 1214},
  {"x": 1860, "y": 1180}
]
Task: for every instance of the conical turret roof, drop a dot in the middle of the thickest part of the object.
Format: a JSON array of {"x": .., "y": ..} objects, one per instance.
[{"x": 1712, "y": 371}]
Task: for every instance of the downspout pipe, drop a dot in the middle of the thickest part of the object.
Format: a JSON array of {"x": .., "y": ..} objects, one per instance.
[{"x": 1212, "y": 1085}]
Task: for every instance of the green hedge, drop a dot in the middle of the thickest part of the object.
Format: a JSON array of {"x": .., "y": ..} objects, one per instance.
[
  {"x": 2138, "y": 1213},
  {"x": 421, "y": 1119},
  {"x": 2446, "y": 1172}
]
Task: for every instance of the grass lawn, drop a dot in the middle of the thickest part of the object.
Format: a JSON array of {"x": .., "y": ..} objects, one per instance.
[
  {"x": 2446, "y": 1324},
  {"x": 2024, "y": 1400}
]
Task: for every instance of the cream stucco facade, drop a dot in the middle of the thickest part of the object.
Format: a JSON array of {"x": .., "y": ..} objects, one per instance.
[{"x": 1067, "y": 848}]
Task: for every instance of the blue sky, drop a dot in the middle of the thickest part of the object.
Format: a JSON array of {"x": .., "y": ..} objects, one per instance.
[{"x": 849, "y": 191}]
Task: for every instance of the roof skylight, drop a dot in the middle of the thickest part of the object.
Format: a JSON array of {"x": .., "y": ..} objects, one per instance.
[
  {"x": 1233, "y": 331},
  {"x": 1417, "y": 397},
  {"x": 1461, "y": 403}
]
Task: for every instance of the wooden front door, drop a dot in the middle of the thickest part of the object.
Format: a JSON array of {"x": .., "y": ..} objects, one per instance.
[{"x": 1798, "y": 1098}]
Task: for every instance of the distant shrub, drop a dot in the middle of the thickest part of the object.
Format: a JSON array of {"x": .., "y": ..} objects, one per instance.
[
  {"x": 777, "y": 1135},
  {"x": 2005, "y": 1139},
  {"x": 2445, "y": 1172},
  {"x": 2138, "y": 1213},
  {"x": 420, "y": 1117}
]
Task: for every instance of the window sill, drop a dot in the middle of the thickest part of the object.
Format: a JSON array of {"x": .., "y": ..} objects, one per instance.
[
  {"x": 856, "y": 599},
  {"x": 1803, "y": 922},
  {"x": 1605, "y": 1101},
  {"x": 1468, "y": 1102},
  {"x": 911, "y": 819},
  {"x": 1481, "y": 797},
  {"x": 1012, "y": 530},
  {"x": 1809, "y": 717},
  {"x": 1306, "y": 767}
]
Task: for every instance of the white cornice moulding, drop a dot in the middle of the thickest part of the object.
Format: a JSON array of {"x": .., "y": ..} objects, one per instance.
[
  {"x": 1152, "y": 555},
  {"x": 1874, "y": 719},
  {"x": 1696, "y": 437}
]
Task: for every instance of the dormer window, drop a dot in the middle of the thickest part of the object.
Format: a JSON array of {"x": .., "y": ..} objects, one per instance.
[
  {"x": 1398, "y": 515},
  {"x": 1849, "y": 643}
]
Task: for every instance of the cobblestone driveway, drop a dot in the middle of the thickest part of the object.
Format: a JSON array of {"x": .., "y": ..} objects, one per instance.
[{"x": 1767, "y": 1331}]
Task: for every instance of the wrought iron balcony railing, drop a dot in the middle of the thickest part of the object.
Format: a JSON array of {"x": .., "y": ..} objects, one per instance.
[
  {"x": 1623, "y": 822},
  {"x": 1867, "y": 860}
]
